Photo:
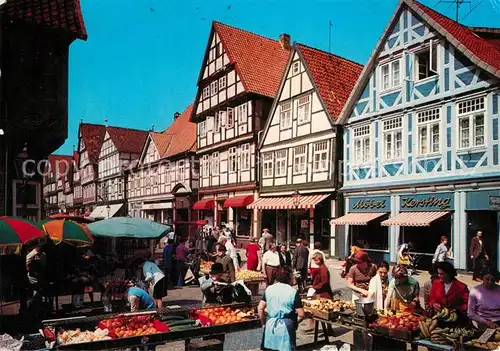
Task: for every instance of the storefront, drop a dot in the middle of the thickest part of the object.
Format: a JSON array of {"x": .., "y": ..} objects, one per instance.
[
  {"x": 157, "y": 211},
  {"x": 363, "y": 225}
]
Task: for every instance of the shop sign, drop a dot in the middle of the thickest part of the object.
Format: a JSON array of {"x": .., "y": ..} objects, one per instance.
[
  {"x": 426, "y": 202},
  {"x": 494, "y": 203},
  {"x": 370, "y": 204},
  {"x": 304, "y": 224}
]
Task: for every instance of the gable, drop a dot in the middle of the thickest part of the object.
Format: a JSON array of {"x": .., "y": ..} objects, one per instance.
[
  {"x": 216, "y": 57},
  {"x": 150, "y": 153},
  {"x": 107, "y": 146}
]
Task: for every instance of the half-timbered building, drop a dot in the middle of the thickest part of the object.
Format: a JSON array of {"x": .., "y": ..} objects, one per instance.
[
  {"x": 119, "y": 148},
  {"x": 77, "y": 187},
  {"x": 163, "y": 185},
  {"x": 90, "y": 138},
  {"x": 421, "y": 138},
  {"x": 301, "y": 146},
  {"x": 54, "y": 191},
  {"x": 239, "y": 77}
]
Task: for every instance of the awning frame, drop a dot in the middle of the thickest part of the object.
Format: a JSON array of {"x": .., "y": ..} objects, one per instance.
[
  {"x": 410, "y": 218},
  {"x": 240, "y": 201},
  {"x": 357, "y": 218},
  {"x": 286, "y": 202}
]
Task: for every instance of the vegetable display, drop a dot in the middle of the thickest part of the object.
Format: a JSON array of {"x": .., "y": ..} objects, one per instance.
[
  {"x": 401, "y": 322},
  {"x": 79, "y": 336},
  {"x": 248, "y": 275}
]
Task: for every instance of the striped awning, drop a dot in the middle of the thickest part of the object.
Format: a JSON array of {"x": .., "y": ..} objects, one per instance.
[
  {"x": 357, "y": 218},
  {"x": 414, "y": 219},
  {"x": 287, "y": 202}
]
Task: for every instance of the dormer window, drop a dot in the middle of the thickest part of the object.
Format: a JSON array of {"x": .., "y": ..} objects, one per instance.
[
  {"x": 390, "y": 74},
  {"x": 426, "y": 62}
]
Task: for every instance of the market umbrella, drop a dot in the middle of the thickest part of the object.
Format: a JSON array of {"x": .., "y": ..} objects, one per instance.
[
  {"x": 127, "y": 227},
  {"x": 78, "y": 219},
  {"x": 18, "y": 231},
  {"x": 71, "y": 232}
]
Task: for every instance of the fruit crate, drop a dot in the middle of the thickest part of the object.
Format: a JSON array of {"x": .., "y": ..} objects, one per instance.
[{"x": 326, "y": 315}]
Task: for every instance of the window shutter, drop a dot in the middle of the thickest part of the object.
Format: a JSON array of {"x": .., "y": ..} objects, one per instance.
[
  {"x": 433, "y": 56},
  {"x": 210, "y": 124},
  {"x": 222, "y": 116}
]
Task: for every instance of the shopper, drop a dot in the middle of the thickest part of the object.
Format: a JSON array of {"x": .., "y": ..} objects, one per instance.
[
  {"x": 156, "y": 279},
  {"x": 285, "y": 257},
  {"x": 215, "y": 288},
  {"x": 300, "y": 263},
  {"x": 284, "y": 312},
  {"x": 359, "y": 276},
  {"x": 181, "y": 253},
  {"x": 139, "y": 299},
  {"x": 404, "y": 253},
  {"x": 321, "y": 278},
  {"x": 253, "y": 251},
  {"x": 484, "y": 300},
  {"x": 479, "y": 255},
  {"x": 428, "y": 285},
  {"x": 403, "y": 291},
  {"x": 441, "y": 253},
  {"x": 231, "y": 251},
  {"x": 227, "y": 264},
  {"x": 317, "y": 249},
  {"x": 447, "y": 291},
  {"x": 168, "y": 258},
  {"x": 379, "y": 285},
  {"x": 270, "y": 264}
]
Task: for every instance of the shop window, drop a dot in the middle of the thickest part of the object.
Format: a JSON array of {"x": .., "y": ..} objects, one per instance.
[
  {"x": 321, "y": 156},
  {"x": 470, "y": 115},
  {"x": 245, "y": 157},
  {"x": 393, "y": 138},
  {"x": 361, "y": 141},
  {"x": 299, "y": 160},
  {"x": 304, "y": 109},
  {"x": 370, "y": 237},
  {"x": 215, "y": 164},
  {"x": 429, "y": 131},
  {"x": 267, "y": 165},
  {"x": 233, "y": 161},
  {"x": 280, "y": 163},
  {"x": 286, "y": 115},
  {"x": 391, "y": 75},
  {"x": 426, "y": 62}
]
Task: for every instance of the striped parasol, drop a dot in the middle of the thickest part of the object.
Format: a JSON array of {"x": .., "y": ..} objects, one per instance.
[
  {"x": 18, "y": 231},
  {"x": 70, "y": 232}
]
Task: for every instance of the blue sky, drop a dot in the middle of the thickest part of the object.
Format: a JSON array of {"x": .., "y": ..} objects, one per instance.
[{"x": 142, "y": 58}]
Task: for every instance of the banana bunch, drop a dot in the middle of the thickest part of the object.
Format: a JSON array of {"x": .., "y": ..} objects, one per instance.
[
  {"x": 493, "y": 344},
  {"x": 440, "y": 336},
  {"x": 446, "y": 316}
]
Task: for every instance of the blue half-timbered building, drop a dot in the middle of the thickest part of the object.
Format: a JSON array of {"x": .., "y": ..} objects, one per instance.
[{"x": 421, "y": 138}]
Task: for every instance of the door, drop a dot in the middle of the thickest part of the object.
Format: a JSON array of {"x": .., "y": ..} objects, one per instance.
[{"x": 487, "y": 222}]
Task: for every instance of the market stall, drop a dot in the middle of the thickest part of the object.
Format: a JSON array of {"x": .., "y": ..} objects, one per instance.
[{"x": 149, "y": 328}]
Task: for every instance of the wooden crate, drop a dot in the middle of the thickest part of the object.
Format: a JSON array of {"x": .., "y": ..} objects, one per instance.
[{"x": 329, "y": 316}]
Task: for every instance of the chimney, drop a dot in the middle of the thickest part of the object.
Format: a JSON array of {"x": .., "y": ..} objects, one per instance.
[
  {"x": 285, "y": 41},
  {"x": 152, "y": 128},
  {"x": 176, "y": 115}
]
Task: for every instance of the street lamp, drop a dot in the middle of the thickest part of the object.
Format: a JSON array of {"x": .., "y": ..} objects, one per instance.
[
  {"x": 296, "y": 199},
  {"x": 108, "y": 208}
]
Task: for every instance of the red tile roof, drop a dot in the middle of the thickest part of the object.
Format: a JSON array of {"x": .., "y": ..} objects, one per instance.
[
  {"x": 76, "y": 157},
  {"x": 128, "y": 140},
  {"x": 259, "y": 61},
  {"x": 162, "y": 142},
  {"x": 334, "y": 76},
  {"x": 93, "y": 136},
  {"x": 481, "y": 51},
  {"x": 58, "y": 14},
  {"x": 62, "y": 163}
]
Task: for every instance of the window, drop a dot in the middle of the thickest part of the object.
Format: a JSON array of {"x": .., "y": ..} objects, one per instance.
[
  {"x": 206, "y": 92},
  {"x": 232, "y": 160},
  {"x": 241, "y": 113},
  {"x": 321, "y": 156},
  {"x": 215, "y": 164},
  {"x": 267, "y": 165},
  {"x": 299, "y": 161},
  {"x": 426, "y": 62},
  {"x": 222, "y": 83},
  {"x": 428, "y": 131},
  {"x": 214, "y": 88},
  {"x": 361, "y": 140},
  {"x": 296, "y": 67},
  {"x": 245, "y": 157},
  {"x": 304, "y": 109},
  {"x": 230, "y": 118},
  {"x": 217, "y": 122},
  {"x": 471, "y": 123},
  {"x": 206, "y": 166},
  {"x": 203, "y": 129},
  {"x": 286, "y": 115},
  {"x": 391, "y": 75},
  {"x": 180, "y": 172},
  {"x": 393, "y": 138},
  {"x": 280, "y": 163}
]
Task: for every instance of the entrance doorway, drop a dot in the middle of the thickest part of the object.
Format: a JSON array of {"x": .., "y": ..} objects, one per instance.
[{"x": 487, "y": 222}]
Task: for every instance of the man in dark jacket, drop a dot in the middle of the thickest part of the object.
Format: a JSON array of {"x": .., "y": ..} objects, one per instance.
[
  {"x": 285, "y": 257},
  {"x": 227, "y": 264},
  {"x": 479, "y": 255},
  {"x": 300, "y": 261}
]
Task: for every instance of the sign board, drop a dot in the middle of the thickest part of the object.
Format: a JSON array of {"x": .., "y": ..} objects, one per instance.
[
  {"x": 494, "y": 203},
  {"x": 488, "y": 333},
  {"x": 370, "y": 204},
  {"x": 304, "y": 223},
  {"x": 426, "y": 202}
]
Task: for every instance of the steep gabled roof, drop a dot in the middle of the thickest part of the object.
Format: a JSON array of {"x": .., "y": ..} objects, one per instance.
[
  {"x": 61, "y": 164},
  {"x": 259, "y": 61},
  {"x": 483, "y": 52},
  {"x": 57, "y": 14},
  {"x": 162, "y": 142},
  {"x": 333, "y": 76},
  {"x": 127, "y": 140},
  {"x": 183, "y": 133},
  {"x": 93, "y": 136}
]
